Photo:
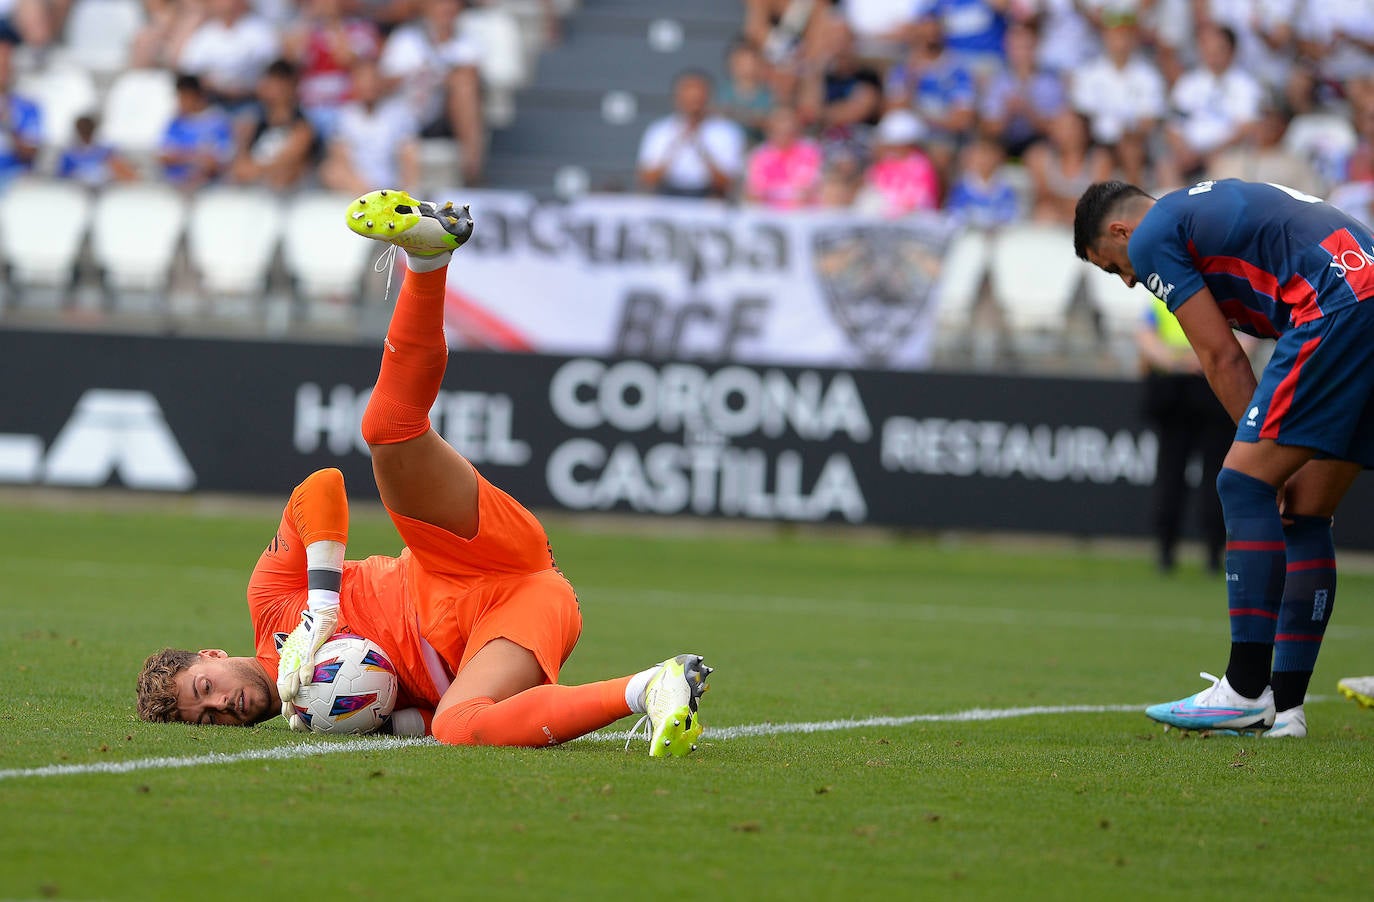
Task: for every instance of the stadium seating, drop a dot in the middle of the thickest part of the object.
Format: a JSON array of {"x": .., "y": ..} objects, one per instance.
[
  {"x": 137, "y": 109},
  {"x": 62, "y": 93},
  {"x": 42, "y": 227},
  {"x": 626, "y": 47},
  {"x": 1119, "y": 309},
  {"x": 331, "y": 267},
  {"x": 232, "y": 238},
  {"x": 1035, "y": 275},
  {"x": 136, "y": 231}
]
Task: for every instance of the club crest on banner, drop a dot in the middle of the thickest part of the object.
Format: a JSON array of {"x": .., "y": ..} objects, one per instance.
[{"x": 878, "y": 280}]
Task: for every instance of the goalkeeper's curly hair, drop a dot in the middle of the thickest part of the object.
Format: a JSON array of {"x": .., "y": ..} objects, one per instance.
[{"x": 157, "y": 684}]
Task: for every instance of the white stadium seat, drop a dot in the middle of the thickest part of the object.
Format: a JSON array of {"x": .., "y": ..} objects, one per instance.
[
  {"x": 42, "y": 226},
  {"x": 331, "y": 264},
  {"x": 962, "y": 274},
  {"x": 135, "y": 232},
  {"x": 140, "y": 104},
  {"x": 232, "y": 238},
  {"x": 1034, "y": 276},
  {"x": 62, "y": 93},
  {"x": 99, "y": 32}
]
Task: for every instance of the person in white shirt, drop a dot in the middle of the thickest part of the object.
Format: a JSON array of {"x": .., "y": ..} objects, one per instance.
[
  {"x": 230, "y": 51},
  {"x": 375, "y": 141},
  {"x": 1122, "y": 94},
  {"x": 691, "y": 153},
  {"x": 433, "y": 65},
  {"x": 1215, "y": 104}
]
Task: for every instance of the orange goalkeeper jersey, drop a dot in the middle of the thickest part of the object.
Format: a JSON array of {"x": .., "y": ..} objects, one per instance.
[{"x": 431, "y": 607}]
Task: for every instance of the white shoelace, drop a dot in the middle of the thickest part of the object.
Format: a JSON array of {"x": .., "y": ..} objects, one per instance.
[
  {"x": 386, "y": 263},
  {"x": 636, "y": 733}
]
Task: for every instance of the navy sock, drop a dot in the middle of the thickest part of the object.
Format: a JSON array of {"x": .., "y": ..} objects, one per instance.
[
  {"x": 1308, "y": 597},
  {"x": 1256, "y": 566}
]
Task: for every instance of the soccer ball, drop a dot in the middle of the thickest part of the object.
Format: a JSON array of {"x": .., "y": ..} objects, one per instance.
[{"x": 353, "y": 690}]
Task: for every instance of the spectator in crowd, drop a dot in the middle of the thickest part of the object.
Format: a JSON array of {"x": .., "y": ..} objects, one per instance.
[
  {"x": 1323, "y": 136},
  {"x": 784, "y": 172},
  {"x": 1265, "y": 36},
  {"x": 691, "y": 153},
  {"x": 1020, "y": 101},
  {"x": 324, "y": 43},
  {"x": 841, "y": 179},
  {"x": 21, "y": 121},
  {"x": 981, "y": 196},
  {"x": 199, "y": 141},
  {"x": 434, "y": 65},
  {"x": 229, "y": 51},
  {"x": 1062, "y": 167},
  {"x": 880, "y": 26},
  {"x": 974, "y": 31},
  {"x": 1067, "y": 37},
  {"x": 1188, "y": 421},
  {"x": 376, "y": 141},
  {"x": 939, "y": 88},
  {"x": 277, "y": 145},
  {"x": 902, "y": 179},
  {"x": 1215, "y": 103},
  {"x": 91, "y": 163},
  {"x": 1264, "y": 157},
  {"x": 746, "y": 96},
  {"x": 839, "y": 95},
  {"x": 32, "y": 22},
  {"x": 1123, "y": 96},
  {"x": 169, "y": 25}
]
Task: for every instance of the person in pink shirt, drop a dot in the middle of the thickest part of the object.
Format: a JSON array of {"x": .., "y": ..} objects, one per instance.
[
  {"x": 784, "y": 172},
  {"x": 902, "y": 178}
]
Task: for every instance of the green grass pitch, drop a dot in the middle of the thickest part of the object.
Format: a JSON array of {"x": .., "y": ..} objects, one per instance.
[{"x": 801, "y": 629}]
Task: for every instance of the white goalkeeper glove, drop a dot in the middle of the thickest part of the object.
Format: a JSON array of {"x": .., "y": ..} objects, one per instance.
[{"x": 297, "y": 665}]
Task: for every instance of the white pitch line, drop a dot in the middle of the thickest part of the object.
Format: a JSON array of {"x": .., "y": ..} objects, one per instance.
[
  {"x": 280, "y": 753},
  {"x": 386, "y": 743}
]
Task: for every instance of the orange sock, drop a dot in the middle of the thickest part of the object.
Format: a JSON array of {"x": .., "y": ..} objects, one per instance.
[
  {"x": 412, "y": 363},
  {"x": 544, "y": 715}
]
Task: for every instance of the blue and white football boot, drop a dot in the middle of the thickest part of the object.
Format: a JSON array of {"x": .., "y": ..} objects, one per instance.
[{"x": 1218, "y": 707}]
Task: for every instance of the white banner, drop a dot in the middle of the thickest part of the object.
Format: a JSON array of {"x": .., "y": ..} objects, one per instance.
[{"x": 664, "y": 278}]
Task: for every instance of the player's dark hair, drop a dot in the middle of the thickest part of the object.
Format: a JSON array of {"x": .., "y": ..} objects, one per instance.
[
  {"x": 188, "y": 82},
  {"x": 1100, "y": 201},
  {"x": 281, "y": 68}
]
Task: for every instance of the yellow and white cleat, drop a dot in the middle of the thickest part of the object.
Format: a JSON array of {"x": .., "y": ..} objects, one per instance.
[
  {"x": 417, "y": 227},
  {"x": 1358, "y": 689},
  {"x": 670, "y": 703}
]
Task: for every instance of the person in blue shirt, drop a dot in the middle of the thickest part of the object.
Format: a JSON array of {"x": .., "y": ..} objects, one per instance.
[
  {"x": 21, "y": 123},
  {"x": 90, "y": 162},
  {"x": 975, "y": 31},
  {"x": 199, "y": 141},
  {"x": 982, "y": 197},
  {"x": 1272, "y": 262}
]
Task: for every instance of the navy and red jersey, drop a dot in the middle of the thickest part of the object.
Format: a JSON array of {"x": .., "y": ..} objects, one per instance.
[{"x": 1272, "y": 257}]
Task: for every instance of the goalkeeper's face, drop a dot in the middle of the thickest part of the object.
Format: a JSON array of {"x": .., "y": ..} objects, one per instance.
[{"x": 218, "y": 689}]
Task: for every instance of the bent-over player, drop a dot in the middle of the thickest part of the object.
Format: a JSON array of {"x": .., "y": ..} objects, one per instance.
[{"x": 1274, "y": 263}]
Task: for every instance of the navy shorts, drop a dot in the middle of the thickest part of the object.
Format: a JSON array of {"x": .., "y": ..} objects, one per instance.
[{"x": 1318, "y": 389}]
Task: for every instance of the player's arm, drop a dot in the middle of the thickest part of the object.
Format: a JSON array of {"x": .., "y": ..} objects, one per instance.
[
  {"x": 318, "y": 511},
  {"x": 1223, "y": 359}
]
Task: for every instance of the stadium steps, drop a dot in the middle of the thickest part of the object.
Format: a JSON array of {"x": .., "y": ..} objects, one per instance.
[{"x": 595, "y": 92}]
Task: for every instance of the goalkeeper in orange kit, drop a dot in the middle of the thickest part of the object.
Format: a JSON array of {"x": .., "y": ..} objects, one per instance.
[{"x": 473, "y": 613}]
